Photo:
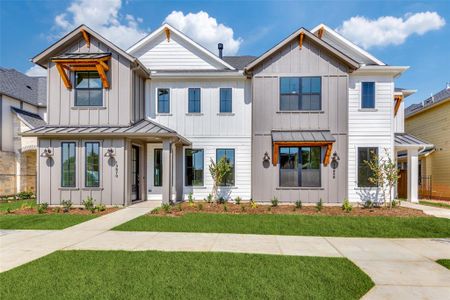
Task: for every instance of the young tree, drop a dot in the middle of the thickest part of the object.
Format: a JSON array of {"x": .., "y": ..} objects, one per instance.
[
  {"x": 384, "y": 174},
  {"x": 219, "y": 172}
]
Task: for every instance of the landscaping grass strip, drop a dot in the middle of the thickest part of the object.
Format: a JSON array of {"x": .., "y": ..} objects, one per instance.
[
  {"x": 389, "y": 227},
  {"x": 444, "y": 262},
  {"x": 42, "y": 221},
  {"x": 183, "y": 275},
  {"x": 435, "y": 204}
]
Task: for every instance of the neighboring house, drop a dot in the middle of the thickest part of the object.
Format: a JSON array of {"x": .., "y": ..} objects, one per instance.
[
  {"x": 22, "y": 107},
  {"x": 296, "y": 122},
  {"x": 430, "y": 120}
]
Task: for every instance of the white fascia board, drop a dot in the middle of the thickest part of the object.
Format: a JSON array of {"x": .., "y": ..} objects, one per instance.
[
  {"x": 347, "y": 43},
  {"x": 405, "y": 93},
  {"x": 394, "y": 71},
  {"x": 155, "y": 33},
  {"x": 206, "y": 74}
]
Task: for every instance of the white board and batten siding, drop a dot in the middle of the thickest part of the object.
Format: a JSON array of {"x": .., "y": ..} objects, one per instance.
[
  {"x": 369, "y": 128},
  {"x": 208, "y": 130}
]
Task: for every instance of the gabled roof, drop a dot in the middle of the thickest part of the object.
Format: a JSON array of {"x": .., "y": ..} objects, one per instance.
[
  {"x": 346, "y": 46},
  {"x": 32, "y": 90},
  {"x": 133, "y": 49},
  {"x": 348, "y": 60},
  {"x": 30, "y": 119},
  {"x": 438, "y": 98},
  {"x": 59, "y": 46}
]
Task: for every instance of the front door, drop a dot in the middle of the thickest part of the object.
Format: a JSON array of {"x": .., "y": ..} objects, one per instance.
[
  {"x": 135, "y": 173},
  {"x": 402, "y": 184}
]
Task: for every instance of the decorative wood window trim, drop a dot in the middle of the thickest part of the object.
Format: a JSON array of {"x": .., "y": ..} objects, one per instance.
[
  {"x": 98, "y": 64},
  {"x": 277, "y": 145}
]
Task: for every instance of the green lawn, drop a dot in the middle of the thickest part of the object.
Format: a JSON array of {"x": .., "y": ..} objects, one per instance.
[
  {"x": 183, "y": 275},
  {"x": 436, "y": 204},
  {"x": 16, "y": 204},
  {"x": 444, "y": 262},
  {"x": 44, "y": 221},
  {"x": 294, "y": 225}
]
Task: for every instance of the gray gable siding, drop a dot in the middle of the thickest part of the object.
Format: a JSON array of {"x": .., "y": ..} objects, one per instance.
[
  {"x": 266, "y": 117},
  {"x": 117, "y": 100}
]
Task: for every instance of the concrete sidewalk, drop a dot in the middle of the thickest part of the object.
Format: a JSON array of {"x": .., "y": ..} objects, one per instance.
[
  {"x": 429, "y": 210},
  {"x": 18, "y": 247}
]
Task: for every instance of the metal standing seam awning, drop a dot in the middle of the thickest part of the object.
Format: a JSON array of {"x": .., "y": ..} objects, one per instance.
[
  {"x": 302, "y": 138},
  {"x": 404, "y": 140}
]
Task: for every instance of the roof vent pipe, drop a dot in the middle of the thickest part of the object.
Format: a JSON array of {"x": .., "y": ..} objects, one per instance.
[{"x": 220, "y": 47}]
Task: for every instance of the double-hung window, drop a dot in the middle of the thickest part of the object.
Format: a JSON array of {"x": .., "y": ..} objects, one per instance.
[
  {"x": 194, "y": 100},
  {"x": 367, "y": 95},
  {"x": 163, "y": 101},
  {"x": 68, "y": 164},
  {"x": 92, "y": 164},
  {"x": 88, "y": 89},
  {"x": 365, "y": 154},
  {"x": 226, "y": 100},
  {"x": 300, "y": 93},
  {"x": 194, "y": 167},
  {"x": 229, "y": 156},
  {"x": 300, "y": 166}
]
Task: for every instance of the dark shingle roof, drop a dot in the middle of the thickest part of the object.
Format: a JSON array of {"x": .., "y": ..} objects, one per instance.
[
  {"x": 438, "y": 97},
  {"x": 30, "y": 119},
  {"x": 239, "y": 62},
  {"x": 17, "y": 85}
]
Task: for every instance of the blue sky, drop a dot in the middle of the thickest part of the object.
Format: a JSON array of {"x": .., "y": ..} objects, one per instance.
[{"x": 28, "y": 27}]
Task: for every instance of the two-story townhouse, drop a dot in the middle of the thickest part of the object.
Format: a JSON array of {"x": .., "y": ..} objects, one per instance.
[
  {"x": 22, "y": 107},
  {"x": 322, "y": 107},
  {"x": 141, "y": 124}
]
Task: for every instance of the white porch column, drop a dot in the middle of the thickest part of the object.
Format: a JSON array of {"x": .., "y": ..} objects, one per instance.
[
  {"x": 167, "y": 171},
  {"x": 413, "y": 175},
  {"x": 179, "y": 172}
]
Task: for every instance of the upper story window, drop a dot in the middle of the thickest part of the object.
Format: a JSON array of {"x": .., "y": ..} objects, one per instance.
[
  {"x": 367, "y": 94},
  {"x": 88, "y": 89},
  {"x": 365, "y": 154},
  {"x": 226, "y": 100},
  {"x": 194, "y": 100},
  {"x": 163, "y": 101},
  {"x": 68, "y": 164},
  {"x": 300, "y": 93}
]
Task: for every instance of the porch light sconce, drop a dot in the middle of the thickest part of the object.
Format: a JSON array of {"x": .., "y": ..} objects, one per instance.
[
  {"x": 266, "y": 157},
  {"x": 334, "y": 163},
  {"x": 47, "y": 153},
  {"x": 110, "y": 153}
]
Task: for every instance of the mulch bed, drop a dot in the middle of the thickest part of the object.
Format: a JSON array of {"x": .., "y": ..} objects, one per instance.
[
  {"x": 245, "y": 208},
  {"x": 53, "y": 210}
]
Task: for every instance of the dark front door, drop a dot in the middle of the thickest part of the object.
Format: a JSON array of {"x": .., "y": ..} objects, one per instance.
[
  {"x": 402, "y": 184},
  {"x": 134, "y": 173}
]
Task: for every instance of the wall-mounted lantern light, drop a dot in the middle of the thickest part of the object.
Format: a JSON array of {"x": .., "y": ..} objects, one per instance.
[
  {"x": 110, "y": 153},
  {"x": 334, "y": 163},
  {"x": 266, "y": 157},
  {"x": 47, "y": 153}
]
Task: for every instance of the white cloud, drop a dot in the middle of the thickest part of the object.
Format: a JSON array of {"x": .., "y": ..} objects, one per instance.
[
  {"x": 36, "y": 71},
  {"x": 205, "y": 30},
  {"x": 389, "y": 30},
  {"x": 104, "y": 17}
]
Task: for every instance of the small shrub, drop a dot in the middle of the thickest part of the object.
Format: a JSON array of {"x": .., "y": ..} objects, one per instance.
[
  {"x": 58, "y": 209},
  {"x": 368, "y": 204},
  {"x": 319, "y": 205},
  {"x": 395, "y": 203},
  {"x": 155, "y": 210},
  {"x": 42, "y": 207},
  {"x": 66, "y": 204},
  {"x": 269, "y": 208},
  {"x": 8, "y": 210},
  {"x": 298, "y": 204},
  {"x": 253, "y": 204},
  {"x": 209, "y": 198},
  {"x": 24, "y": 195},
  {"x": 274, "y": 201},
  {"x": 89, "y": 204},
  {"x": 200, "y": 206},
  {"x": 166, "y": 207},
  {"x": 100, "y": 207},
  {"x": 221, "y": 200},
  {"x": 347, "y": 206},
  {"x": 191, "y": 199},
  {"x": 179, "y": 208},
  {"x": 225, "y": 207},
  {"x": 238, "y": 200}
]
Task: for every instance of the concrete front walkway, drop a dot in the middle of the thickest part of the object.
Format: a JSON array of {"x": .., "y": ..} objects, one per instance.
[
  {"x": 429, "y": 210},
  {"x": 18, "y": 247}
]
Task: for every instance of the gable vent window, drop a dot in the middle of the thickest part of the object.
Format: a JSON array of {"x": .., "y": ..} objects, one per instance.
[{"x": 88, "y": 89}]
